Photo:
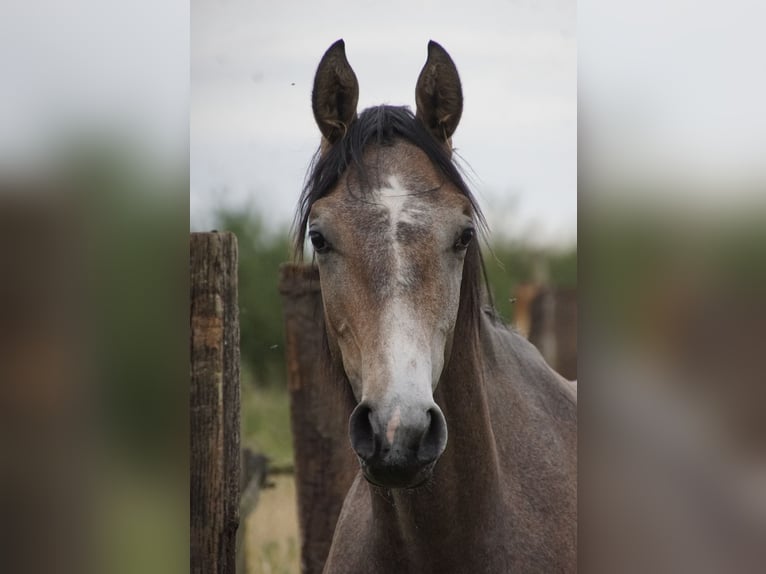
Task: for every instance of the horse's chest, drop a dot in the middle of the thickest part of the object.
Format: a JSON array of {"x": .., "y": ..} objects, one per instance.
[{"x": 370, "y": 545}]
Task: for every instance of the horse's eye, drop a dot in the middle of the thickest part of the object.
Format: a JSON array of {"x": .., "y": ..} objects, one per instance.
[
  {"x": 465, "y": 238},
  {"x": 319, "y": 242}
]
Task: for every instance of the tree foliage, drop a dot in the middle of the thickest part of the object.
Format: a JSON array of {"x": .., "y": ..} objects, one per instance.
[{"x": 261, "y": 325}]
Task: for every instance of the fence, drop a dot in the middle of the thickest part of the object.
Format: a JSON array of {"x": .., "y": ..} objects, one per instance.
[{"x": 214, "y": 404}]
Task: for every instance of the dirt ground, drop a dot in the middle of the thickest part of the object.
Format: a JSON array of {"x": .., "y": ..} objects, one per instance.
[{"x": 271, "y": 541}]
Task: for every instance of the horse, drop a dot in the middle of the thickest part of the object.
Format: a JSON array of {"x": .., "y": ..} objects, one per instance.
[{"x": 465, "y": 437}]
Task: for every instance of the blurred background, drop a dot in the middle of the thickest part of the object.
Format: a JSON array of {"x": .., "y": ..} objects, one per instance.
[
  {"x": 253, "y": 135},
  {"x": 672, "y": 202},
  {"x": 94, "y": 309},
  {"x": 100, "y": 179}
]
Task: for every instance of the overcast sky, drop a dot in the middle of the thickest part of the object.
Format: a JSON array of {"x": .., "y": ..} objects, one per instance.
[
  {"x": 253, "y": 133},
  {"x": 668, "y": 90},
  {"x": 672, "y": 97}
]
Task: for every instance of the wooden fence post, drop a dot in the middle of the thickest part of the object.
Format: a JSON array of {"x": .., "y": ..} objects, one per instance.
[
  {"x": 214, "y": 403},
  {"x": 325, "y": 465}
]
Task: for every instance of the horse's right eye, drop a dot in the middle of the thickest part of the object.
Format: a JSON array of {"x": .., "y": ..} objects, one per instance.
[
  {"x": 464, "y": 239},
  {"x": 319, "y": 242}
]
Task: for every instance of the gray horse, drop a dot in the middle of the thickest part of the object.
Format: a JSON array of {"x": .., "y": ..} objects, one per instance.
[{"x": 466, "y": 438}]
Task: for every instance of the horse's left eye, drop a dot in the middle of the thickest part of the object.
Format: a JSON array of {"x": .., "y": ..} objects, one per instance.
[{"x": 465, "y": 238}]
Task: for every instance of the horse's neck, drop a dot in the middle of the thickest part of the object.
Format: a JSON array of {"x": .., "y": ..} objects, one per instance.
[
  {"x": 470, "y": 459},
  {"x": 468, "y": 466},
  {"x": 512, "y": 429},
  {"x": 510, "y": 459}
]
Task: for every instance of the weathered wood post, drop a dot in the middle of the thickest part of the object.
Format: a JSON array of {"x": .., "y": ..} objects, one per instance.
[
  {"x": 320, "y": 406},
  {"x": 214, "y": 403}
]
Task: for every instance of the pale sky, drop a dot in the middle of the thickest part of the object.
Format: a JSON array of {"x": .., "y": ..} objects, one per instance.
[
  {"x": 253, "y": 133},
  {"x": 668, "y": 90},
  {"x": 672, "y": 97},
  {"x": 107, "y": 68}
]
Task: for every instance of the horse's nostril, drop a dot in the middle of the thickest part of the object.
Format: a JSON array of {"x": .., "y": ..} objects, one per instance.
[
  {"x": 360, "y": 431},
  {"x": 435, "y": 438},
  {"x": 402, "y": 438}
]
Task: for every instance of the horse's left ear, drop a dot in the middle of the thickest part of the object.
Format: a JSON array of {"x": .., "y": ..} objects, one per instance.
[
  {"x": 335, "y": 94},
  {"x": 438, "y": 93}
]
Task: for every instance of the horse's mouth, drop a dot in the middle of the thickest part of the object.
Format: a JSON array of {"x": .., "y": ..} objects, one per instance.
[{"x": 404, "y": 477}]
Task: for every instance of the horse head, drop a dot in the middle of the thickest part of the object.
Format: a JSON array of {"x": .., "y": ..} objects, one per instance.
[{"x": 392, "y": 225}]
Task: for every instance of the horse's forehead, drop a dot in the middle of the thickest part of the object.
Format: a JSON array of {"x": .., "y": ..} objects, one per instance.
[{"x": 403, "y": 188}]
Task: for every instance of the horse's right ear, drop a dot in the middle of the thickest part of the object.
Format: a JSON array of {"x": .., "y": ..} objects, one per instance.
[{"x": 335, "y": 94}]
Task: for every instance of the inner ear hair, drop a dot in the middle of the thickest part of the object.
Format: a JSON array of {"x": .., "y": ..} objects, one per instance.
[
  {"x": 438, "y": 94},
  {"x": 335, "y": 94}
]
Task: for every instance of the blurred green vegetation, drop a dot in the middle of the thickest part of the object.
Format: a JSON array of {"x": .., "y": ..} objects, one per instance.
[
  {"x": 261, "y": 327},
  {"x": 265, "y": 422},
  {"x": 510, "y": 263}
]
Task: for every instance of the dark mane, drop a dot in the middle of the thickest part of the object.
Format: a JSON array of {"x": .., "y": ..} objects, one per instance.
[{"x": 382, "y": 126}]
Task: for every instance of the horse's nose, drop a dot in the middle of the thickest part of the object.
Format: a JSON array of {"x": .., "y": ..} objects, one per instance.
[{"x": 398, "y": 435}]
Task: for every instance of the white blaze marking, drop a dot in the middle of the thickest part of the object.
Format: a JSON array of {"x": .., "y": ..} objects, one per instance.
[
  {"x": 407, "y": 346},
  {"x": 393, "y": 198},
  {"x": 406, "y": 362}
]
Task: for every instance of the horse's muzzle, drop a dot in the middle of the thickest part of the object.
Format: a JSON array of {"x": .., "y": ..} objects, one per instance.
[{"x": 398, "y": 446}]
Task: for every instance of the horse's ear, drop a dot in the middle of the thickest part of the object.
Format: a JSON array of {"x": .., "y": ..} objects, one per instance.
[
  {"x": 438, "y": 93},
  {"x": 335, "y": 94}
]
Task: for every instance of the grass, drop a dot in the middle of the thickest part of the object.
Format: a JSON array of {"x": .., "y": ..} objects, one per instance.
[
  {"x": 271, "y": 541},
  {"x": 138, "y": 517},
  {"x": 271, "y": 544},
  {"x": 266, "y": 423}
]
